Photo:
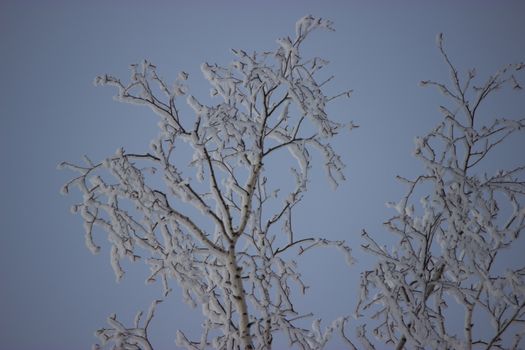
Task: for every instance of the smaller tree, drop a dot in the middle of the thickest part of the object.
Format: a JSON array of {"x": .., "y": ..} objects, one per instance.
[
  {"x": 220, "y": 227},
  {"x": 450, "y": 258}
]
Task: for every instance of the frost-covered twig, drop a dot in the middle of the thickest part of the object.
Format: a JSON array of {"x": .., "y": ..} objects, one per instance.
[
  {"x": 209, "y": 224},
  {"x": 454, "y": 236},
  {"x": 121, "y": 337}
]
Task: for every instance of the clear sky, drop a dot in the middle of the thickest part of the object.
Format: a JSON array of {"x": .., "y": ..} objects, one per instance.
[{"x": 53, "y": 293}]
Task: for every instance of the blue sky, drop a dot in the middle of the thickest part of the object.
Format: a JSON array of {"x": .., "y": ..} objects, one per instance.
[{"x": 54, "y": 293}]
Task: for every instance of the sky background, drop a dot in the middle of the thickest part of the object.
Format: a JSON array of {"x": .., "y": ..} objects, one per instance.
[{"x": 53, "y": 293}]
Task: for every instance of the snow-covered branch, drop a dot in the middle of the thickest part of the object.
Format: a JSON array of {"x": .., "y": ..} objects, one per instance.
[
  {"x": 451, "y": 238},
  {"x": 156, "y": 208}
]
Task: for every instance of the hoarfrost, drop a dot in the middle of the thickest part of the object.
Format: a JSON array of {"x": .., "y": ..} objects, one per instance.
[
  {"x": 447, "y": 253},
  {"x": 236, "y": 270}
]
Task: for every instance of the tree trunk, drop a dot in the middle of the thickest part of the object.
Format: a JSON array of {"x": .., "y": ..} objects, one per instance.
[{"x": 240, "y": 301}]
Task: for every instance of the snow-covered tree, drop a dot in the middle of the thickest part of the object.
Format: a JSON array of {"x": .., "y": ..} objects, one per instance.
[
  {"x": 218, "y": 224},
  {"x": 448, "y": 282}
]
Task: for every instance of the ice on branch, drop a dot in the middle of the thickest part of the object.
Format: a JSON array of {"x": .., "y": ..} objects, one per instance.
[
  {"x": 211, "y": 222},
  {"x": 453, "y": 240},
  {"x": 121, "y": 337}
]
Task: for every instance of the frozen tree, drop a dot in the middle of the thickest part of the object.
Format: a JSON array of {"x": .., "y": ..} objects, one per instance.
[
  {"x": 217, "y": 223},
  {"x": 447, "y": 283}
]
